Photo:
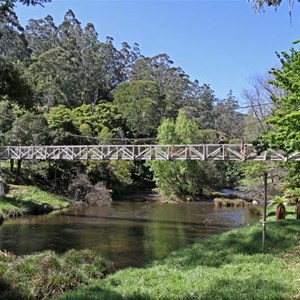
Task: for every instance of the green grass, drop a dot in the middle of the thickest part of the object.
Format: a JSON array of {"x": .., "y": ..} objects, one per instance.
[
  {"x": 227, "y": 266},
  {"x": 29, "y": 200},
  {"x": 45, "y": 274}
]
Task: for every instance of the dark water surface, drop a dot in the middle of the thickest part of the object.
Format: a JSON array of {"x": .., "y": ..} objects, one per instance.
[{"x": 127, "y": 233}]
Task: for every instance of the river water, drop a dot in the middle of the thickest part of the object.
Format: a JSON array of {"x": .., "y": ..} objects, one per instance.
[{"x": 129, "y": 233}]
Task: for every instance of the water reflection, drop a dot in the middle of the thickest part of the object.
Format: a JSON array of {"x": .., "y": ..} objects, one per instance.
[{"x": 128, "y": 233}]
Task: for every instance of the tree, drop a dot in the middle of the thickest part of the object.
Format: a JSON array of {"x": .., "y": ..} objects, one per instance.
[
  {"x": 128, "y": 55},
  {"x": 51, "y": 79},
  {"x": 200, "y": 105},
  {"x": 173, "y": 84},
  {"x": 259, "y": 5},
  {"x": 13, "y": 44},
  {"x": 176, "y": 179},
  {"x": 92, "y": 122},
  {"x": 182, "y": 179},
  {"x": 70, "y": 66},
  {"x": 60, "y": 123},
  {"x": 41, "y": 35},
  {"x": 29, "y": 129},
  {"x": 259, "y": 98},
  {"x": 141, "y": 105},
  {"x": 227, "y": 120},
  {"x": 7, "y": 7},
  {"x": 11, "y": 32},
  {"x": 9, "y": 112},
  {"x": 12, "y": 84},
  {"x": 285, "y": 117}
]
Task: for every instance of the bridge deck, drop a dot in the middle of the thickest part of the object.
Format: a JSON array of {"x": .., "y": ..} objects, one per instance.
[{"x": 145, "y": 152}]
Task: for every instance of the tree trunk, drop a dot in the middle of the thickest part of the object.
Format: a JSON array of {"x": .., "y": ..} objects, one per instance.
[
  {"x": 297, "y": 210},
  {"x": 280, "y": 212}
]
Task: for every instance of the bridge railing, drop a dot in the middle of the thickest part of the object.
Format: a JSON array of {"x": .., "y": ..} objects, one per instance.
[{"x": 144, "y": 152}]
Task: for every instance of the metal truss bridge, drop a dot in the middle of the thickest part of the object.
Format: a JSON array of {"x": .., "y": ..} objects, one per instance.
[{"x": 145, "y": 152}]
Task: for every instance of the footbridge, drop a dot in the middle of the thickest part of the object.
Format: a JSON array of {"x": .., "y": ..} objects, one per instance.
[{"x": 145, "y": 152}]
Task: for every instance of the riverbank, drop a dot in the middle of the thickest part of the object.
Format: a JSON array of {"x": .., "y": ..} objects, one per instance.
[
  {"x": 226, "y": 266},
  {"x": 23, "y": 200},
  {"x": 46, "y": 274}
]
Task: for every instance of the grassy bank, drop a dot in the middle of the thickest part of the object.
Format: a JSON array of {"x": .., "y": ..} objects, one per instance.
[
  {"x": 22, "y": 200},
  {"x": 227, "y": 266},
  {"x": 45, "y": 274}
]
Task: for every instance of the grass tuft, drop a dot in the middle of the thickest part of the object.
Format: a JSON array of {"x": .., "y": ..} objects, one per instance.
[
  {"x": 230, "y": 202},
  {"x": 45, "y": 274}
]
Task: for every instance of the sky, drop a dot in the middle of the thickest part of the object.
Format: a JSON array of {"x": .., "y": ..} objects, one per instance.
[{"x": 222, "y": 43}]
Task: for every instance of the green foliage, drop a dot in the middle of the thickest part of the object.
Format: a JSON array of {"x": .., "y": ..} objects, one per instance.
[
  {"x": 13, "y": 86},
  {"x": 116, "y": 174},
  {"x": 182, "y": 179},
  {"x": 176, "y": 179},
  {"x": 29, "y": 129},
  {"x": 40, "y": 35},
  {"x": 103, "y": 121},
  {"x": 276, "y": 200},
  {"x": 60, "y": 117},
  {"x": 292, "y": 194},
  {"x": 122, "y": 171},
  {"x": 173, "y": 84},
  {"x": 208, "y": 136},
  {"x": 104, "y": 116},
  {"x": 227, "y": 120},
  {"x": 141, "y": 106},
  {"x": 286, "y": 117},
  {"x": 253, "y": 172}
]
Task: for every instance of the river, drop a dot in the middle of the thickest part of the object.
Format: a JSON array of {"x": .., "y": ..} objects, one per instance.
[{"x": 129, "y": 233}]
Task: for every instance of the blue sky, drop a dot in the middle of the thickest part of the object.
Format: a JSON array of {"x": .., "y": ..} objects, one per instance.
[{"x": 218, "y": 42}]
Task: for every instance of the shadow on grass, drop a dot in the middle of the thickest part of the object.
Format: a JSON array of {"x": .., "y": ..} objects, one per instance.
[
  {"x": 222, "y": 249},
  {"x": 98, "y": 293},
  {"x": 7, "y": 292},
  {"x": 26, "y": 206},
  {"x": 231, "y": 289},
  {"x": 246, "y": 289},
  {"x": 287, "y": 213}
]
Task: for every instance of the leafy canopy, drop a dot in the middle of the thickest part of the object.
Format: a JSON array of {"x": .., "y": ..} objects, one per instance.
[{"x": 286, "y": 114}]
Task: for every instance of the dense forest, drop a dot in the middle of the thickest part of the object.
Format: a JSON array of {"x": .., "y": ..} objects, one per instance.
[{"x": 61, "y": 85}]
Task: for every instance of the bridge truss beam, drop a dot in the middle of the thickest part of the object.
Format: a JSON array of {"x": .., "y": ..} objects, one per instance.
[{"x": 145, "y": 152}]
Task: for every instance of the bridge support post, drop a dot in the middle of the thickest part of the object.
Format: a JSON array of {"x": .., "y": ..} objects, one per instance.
[
  {"x": 1, "y": 182},
  {"x": 264, "y": 222}
]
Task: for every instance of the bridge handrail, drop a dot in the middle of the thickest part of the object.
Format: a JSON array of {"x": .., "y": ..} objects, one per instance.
[{"x": 145, "y": 152}]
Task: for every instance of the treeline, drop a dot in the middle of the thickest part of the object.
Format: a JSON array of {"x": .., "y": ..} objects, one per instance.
[{"x": 61, "y": 85}]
